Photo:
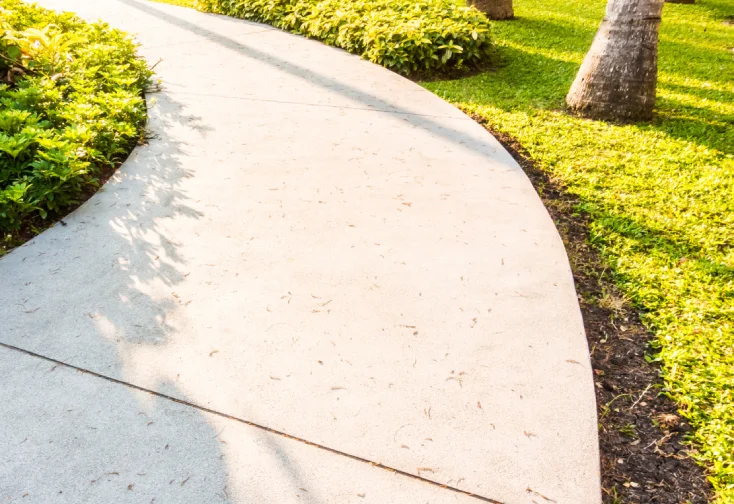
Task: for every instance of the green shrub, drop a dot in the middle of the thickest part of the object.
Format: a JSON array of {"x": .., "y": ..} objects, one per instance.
[
  {"x": 71, "y": 104},
  {"x": 404, "y": 35}
]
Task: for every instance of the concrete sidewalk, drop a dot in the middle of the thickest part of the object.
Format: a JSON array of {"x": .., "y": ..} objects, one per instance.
[{"x": 313, "y": 245}]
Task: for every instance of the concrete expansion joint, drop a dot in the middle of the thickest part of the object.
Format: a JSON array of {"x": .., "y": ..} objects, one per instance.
[
  {"x": 174, "y": 92},
  {"x": 249, "y": 423}
]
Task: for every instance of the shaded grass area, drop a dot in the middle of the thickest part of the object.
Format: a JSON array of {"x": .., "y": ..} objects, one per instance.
[{"x": 659, "y": 196}]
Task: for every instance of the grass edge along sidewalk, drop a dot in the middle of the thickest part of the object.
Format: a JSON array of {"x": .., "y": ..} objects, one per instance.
[{"x": 658, "y": 195}]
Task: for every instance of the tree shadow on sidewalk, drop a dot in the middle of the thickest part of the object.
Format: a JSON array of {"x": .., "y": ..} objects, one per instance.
[
  {"x": 477, "y": 144},
  {"x": 73, "y": 437}
]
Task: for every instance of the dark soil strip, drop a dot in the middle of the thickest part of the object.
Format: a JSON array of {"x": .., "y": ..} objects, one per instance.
[
  {"x": 644, "y": 458},
  {"x": 440, "y": 74}
]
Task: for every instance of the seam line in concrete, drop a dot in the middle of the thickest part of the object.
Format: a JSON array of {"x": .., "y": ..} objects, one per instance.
[
  {"x": 166, "y": 90},
  {"x": 198, "y": 39},
  {"x": 247, "y": 422}
]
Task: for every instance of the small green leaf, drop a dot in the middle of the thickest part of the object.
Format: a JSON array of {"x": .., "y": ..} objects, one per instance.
[{"x": 14, "y": 52}]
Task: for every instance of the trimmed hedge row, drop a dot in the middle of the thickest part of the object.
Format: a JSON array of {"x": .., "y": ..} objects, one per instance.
[
  {"x": 70, "y": 104},
  {"x": 403, "y": 35}
]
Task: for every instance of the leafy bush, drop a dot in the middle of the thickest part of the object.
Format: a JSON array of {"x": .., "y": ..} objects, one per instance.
[
  {"x": 404, "y": 35},
  {"x": 70, "y": 105}
]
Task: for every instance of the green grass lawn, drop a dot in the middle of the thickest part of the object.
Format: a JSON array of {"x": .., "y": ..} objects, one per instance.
[{"x": 660, "y": 195}]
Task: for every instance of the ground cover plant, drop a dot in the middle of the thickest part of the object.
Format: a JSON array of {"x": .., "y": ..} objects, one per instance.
[
  {"x": 659, "y": 196},
  {"x": 403, "y": 35},
  {"x": 71, "y": 106}
]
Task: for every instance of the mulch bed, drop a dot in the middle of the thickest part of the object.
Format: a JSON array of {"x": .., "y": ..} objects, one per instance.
[{"x": 644, "y": 458}]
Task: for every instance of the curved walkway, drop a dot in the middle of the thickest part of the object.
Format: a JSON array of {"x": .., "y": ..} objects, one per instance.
[{"x": 313, "y": 245}]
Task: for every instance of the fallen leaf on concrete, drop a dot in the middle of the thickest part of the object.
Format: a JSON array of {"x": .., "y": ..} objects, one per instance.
[{"x": 457, "y": 379}]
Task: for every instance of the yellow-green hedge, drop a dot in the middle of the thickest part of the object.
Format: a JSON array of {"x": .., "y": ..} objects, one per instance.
[{"x": 403, "y": 35}]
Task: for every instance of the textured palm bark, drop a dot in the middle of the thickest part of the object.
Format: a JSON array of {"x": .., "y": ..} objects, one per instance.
[
  {"x": 494, "y": 9},
  {"x": 618, "y": 76}
]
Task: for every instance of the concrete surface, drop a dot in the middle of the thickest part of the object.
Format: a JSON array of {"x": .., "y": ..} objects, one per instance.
[
  {"x": 316, "y": 245},
  {"x": 73, "y": 438}
]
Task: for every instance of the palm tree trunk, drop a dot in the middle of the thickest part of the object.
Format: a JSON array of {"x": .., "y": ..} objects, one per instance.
[
  {"x": 494, "y": 9},
  {"x": 618, "y": 76}
]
